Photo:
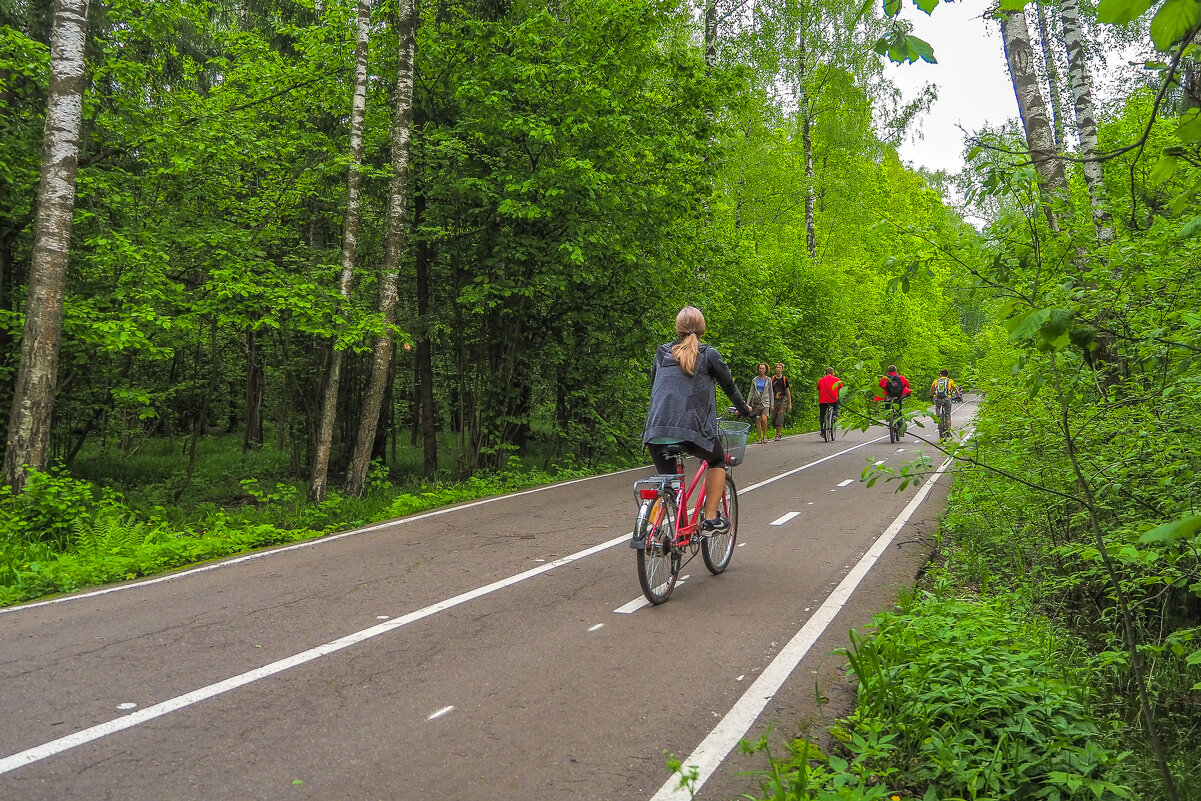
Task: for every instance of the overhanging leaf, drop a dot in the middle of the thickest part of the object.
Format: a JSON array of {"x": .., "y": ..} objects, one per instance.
[
  {"x": 1173, "y": 20},
  {"x": 1119, "y": 12},
  {"x": 1025, "y": 326},
  {"x": 1190, "y": 228},
  {"x": 1176, "y": 530},
  {"x": 923, "y": 49}
]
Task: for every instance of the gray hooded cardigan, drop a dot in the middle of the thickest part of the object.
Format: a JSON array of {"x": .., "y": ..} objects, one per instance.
[{"x": 684, "y": 407}]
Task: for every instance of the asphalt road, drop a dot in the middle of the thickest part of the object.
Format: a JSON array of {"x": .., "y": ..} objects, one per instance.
[{"x": 495, "y": 650}]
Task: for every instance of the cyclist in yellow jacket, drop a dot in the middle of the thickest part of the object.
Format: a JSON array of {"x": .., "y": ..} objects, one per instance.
[{"x": 941, "y": 392}]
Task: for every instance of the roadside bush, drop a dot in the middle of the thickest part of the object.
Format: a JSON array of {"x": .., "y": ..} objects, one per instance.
[{"x": 979, "y": 700}]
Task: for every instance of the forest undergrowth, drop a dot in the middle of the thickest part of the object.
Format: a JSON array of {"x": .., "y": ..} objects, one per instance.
[{"x": 114, "y": 519}]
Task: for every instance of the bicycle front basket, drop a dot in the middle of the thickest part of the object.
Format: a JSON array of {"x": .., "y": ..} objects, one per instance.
[{"x": 733, "y": 439}]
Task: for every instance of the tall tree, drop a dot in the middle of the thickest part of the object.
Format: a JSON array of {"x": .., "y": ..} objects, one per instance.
[
  {"x": 1045, "y": 38},
  {"x": 354, "y": 183},
  {"x": 398, "y": 227},
  {"x": 28, "y": 441},
  {"x": 1086, "y": 121},
  {"x": 1039, "y": 140}
]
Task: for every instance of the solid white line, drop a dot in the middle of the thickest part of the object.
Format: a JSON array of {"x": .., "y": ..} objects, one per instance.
[
  {"x": 57, "y": 746},
  {"x": 713, "y": 749},
  {"x": 87, "y": 735},
  {"x": 306, "y": 544},
  {"x": 848, "y": 481},
  {"x": 782, "y": 519}
]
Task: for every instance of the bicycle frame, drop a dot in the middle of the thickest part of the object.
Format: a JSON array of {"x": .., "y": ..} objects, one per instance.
[{"x": 687, "y": 520}]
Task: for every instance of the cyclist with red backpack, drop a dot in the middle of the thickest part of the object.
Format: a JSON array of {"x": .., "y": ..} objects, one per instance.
[
  {"x": 896, "y": 388},
  {"x": 894, "y": 385}
]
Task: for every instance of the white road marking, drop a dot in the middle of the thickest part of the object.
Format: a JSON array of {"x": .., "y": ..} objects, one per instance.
[
  {"x": 65, "y": 743},
  {"x": 91, "y": 733},
  {"x": 632, "y": 606},
  {"x": 900, "y": 450},
  {"x": 306, "y": 544},
  {"x": 127, "y": 705},
  {"x": 718, "y": 743},
  {"x": 782, "y": 519},
  {"x": 382, "y": 617},
  {"x": 440, "y": 712},
  {"x": 879, "y": 463},
  {"x": 597, "y": 626},
  {"x": 848, "y": 481}
]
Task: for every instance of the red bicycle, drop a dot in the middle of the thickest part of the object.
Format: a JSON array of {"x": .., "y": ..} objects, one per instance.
[{"x": 670, "y": 540}]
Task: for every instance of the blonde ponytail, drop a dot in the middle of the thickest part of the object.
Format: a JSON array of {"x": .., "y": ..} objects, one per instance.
[
  {"x": 685, "y": 352},
  {"x": 690, "y": 324}
]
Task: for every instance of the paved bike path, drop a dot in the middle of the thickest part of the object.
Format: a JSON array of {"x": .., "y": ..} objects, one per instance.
[{"x": 535, "y": 688}]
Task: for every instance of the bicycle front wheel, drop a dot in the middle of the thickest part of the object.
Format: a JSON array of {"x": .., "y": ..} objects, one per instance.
[
  {"x": 658, "y": 562},
  {"x": 717, "y": 549}
]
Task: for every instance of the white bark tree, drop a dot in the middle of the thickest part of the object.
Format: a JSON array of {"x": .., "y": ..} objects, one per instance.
[
  {"x": 394, "y": 246},
  {"x": 1039, "y": 140},
  {"x": 1086, "y": 121},
  {"x": 27, "y": 443},
  {"x": 354, "y": 183}
]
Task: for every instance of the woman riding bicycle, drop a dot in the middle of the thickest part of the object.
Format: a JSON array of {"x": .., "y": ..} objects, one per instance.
[{"x": 683, "y": 408}]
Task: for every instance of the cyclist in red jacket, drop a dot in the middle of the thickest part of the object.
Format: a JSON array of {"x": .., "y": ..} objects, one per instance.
[
  {"x": 894, "y": 385},
  {"x": 827, "y": 396}
]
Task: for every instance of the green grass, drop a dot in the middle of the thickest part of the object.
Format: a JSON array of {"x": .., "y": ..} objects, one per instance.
[{"x": 112, "y": 518}]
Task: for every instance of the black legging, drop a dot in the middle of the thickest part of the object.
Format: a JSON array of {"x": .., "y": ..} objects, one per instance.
[{"x": 665, "y": 464}]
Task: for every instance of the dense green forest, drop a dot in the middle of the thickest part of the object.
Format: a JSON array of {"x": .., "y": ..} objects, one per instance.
[{"x": 275, "y": 268}]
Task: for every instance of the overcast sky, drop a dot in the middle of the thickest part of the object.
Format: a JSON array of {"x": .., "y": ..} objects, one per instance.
[{"x": 973, "y": 84}]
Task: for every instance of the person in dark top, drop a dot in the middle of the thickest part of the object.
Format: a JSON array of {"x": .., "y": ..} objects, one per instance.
[
  {"x": 782, "y": 389},
  {"x": 683, "y": 408}
]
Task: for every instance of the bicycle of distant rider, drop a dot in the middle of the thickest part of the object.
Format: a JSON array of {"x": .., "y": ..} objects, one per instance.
[
  {"x": 670, "y": 515},
  {"x": 829, "y": 418},
  {"x": 942, "y": 411},
  {"x": 896, "y": 418}
]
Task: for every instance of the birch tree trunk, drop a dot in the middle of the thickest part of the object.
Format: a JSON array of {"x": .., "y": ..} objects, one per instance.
[
  {"x": 29, "y": 424},
  {"x": 710, "y": 36},
  {"x": 1086, "y": 122},
  {"x": 318, "y": 482},
  {"x": 1039, "y": 140},
  {"x": 1045, "y": 36},
  {"x": 805, "y": 110},
  {"x": 389, "y": 287}
]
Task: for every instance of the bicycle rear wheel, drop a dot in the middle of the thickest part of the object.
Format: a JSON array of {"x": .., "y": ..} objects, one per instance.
[
  {"x": 658, "y": 562},
  {"x": 829, "y": 422},
  {"x": 717, "y": 549}
]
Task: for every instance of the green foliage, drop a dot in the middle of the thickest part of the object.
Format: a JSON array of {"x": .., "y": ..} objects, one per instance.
[{"x": 986, "y": 702}]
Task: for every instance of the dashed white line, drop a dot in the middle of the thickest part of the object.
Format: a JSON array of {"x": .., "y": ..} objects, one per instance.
[
  {"x": 848, "y": 481},
  {"x": 444, "y": 710},
  {"x": 91, "y": 733},
  {"x": 597, "y": 626},
  {"x": 782, "y": 519},
  {"x": 632, "y": 606}
]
